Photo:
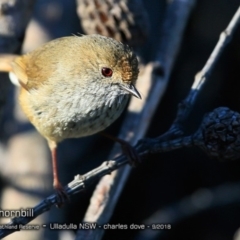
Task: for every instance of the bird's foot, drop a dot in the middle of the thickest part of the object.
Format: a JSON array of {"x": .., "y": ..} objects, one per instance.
[
  {"x": 62, "y": 196},
  {"x": 130, "y": 152},
  {"x": 127, "y": 149}
]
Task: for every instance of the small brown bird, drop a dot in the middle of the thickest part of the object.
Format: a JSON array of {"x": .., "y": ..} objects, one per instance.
[{"x": 73, "y": 87}]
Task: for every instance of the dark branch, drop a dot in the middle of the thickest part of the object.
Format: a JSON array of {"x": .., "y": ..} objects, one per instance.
[{"x": 201, "y": 78}]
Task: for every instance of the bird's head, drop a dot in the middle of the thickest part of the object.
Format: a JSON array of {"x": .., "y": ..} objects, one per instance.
[{"x": 112, "y": 62}]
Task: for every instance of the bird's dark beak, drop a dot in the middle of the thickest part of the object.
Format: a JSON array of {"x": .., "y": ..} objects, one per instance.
[{"x": 132, "y": 90}]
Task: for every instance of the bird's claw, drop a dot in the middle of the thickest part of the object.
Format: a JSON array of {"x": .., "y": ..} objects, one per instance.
[
  {"x": 131, "y": 153},
  {"x": 62, "y": 196},
  {"x": 127, "y": 149}
]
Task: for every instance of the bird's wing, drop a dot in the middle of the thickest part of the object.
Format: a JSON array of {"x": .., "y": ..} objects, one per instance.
[
  {"x": 31, "y": 69},
  {"x": 35, "y": 68}
]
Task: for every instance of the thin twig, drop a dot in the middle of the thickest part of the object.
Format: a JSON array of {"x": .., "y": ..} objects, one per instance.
[
  {"x": 82, "y": 182},
  {"x": 186, "y": 106},
  {"x": 144, "y": 148}
]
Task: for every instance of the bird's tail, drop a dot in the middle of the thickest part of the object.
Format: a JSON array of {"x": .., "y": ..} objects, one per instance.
[
  {"x": 6, "y": 66},
  {"x": 5, "y": 62}
]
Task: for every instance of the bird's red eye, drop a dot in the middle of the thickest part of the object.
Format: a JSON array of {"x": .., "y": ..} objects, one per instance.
[{"x": 107, "y": 72}]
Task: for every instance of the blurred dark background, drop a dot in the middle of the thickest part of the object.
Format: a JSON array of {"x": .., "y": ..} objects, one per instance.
[{"x": 165, "y": 179}]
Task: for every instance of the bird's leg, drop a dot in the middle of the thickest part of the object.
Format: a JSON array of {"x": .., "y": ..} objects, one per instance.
[
  {"x": 127, "y": 149},
  {"x": 62, "y": 195}
]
